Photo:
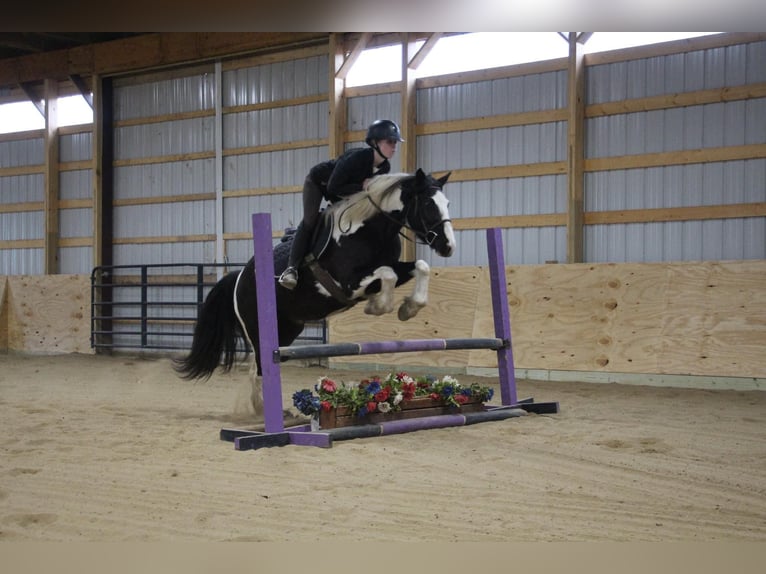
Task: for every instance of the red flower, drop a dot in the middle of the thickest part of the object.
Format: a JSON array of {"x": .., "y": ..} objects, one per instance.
[
  {"x": 434, "y": 396},
  {"x": 328, "y": 386},
  {"x": 408, "y": 391},
  {"x": 382, "y": 395},
  {"x": 326, "y": 405},
  {"x": 462, "y": 399},
  {"x": 372, "y": 406}
]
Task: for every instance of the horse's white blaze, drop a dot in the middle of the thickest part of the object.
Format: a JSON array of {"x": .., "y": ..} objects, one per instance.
[
  {"x": 449, "y": 233},
  {"x": 383, "y": 301},
  {"x": 256, "y": 392}
]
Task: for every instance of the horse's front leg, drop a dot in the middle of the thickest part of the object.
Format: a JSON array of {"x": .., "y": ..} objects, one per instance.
[
  {"x": 380, "y": 301},
  {"x": 421, "y": 271}
]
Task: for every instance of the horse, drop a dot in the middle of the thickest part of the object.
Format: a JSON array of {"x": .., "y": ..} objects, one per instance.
[{"x": 355, "y": 258}]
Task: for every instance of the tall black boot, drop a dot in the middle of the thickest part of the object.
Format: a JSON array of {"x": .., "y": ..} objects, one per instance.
[{"x": 301, "y": 239}]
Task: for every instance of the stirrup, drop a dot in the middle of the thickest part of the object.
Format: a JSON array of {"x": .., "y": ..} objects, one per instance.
[{"x": 289, "y": 278}]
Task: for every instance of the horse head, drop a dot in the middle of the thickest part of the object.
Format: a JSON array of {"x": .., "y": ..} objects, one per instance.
[{"x": 426, "y": 211}]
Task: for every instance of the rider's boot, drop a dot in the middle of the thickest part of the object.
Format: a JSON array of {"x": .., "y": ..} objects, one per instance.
[{"x": 289, "y": 278}]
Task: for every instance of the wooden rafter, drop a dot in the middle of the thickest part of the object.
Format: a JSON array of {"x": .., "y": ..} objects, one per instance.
[
  {"x": 82, "y": 87},
  {"x": 29, "y": 92},
  {"x": 353, "y": 56},
  {"x": 425, "y": 49}
]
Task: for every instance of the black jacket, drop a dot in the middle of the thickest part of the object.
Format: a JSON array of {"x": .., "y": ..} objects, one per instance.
[{"x": 350, "y": 171}]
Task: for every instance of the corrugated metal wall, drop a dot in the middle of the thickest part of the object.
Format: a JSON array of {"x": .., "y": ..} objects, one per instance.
[
  {"x": 76, "y": 223},
  {"x": 693, "y": 127},
  {"x": 273, "y": 128},
  {"x": 29, "y": 224},
  {"x": 283, "y": 134},
  {"x": 498, "y": 147}
]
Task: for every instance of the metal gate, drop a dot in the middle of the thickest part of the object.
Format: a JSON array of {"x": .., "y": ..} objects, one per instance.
[{"x": 155, "y": 307}]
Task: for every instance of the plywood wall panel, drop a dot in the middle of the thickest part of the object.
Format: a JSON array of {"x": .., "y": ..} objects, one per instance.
[
  {"x": 48, "y": 314},
  {"x": 705, "y": 319}
]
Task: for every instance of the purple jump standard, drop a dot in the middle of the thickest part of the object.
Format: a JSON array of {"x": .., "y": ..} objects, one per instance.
[{"x": 275, "y": 433}]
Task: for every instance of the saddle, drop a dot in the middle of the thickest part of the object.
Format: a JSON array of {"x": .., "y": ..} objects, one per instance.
[{"x": 320, "y": 239}]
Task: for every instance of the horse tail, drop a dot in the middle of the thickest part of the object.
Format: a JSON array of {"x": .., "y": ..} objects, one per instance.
[{"x": 215, "y": 334}]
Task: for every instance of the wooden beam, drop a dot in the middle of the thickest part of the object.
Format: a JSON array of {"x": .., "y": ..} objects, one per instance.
[
  {"x": 51, "y": 201},
  {"x": 349, "y": 62},
  {"x": 337, "y": 98},
  {"x": 29, "y": 91},
  {"x": 148, "y": 51},
  {"x": 409, "y": 156},
  {"x": 425, "y": 49},
  {"x": 82, "y": 88},
  {"x": 685, "y": 157},
  {"x": 575, "y": 150}
]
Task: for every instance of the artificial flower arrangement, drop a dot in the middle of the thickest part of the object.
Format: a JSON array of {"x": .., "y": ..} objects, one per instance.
[{"x": 376, "y": 395}]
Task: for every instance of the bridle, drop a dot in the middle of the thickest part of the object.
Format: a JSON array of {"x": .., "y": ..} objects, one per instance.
[{"x": 428, "y": 235}]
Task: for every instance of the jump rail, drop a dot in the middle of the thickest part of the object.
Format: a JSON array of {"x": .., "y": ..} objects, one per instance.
[{"x": 275, "y": 433}]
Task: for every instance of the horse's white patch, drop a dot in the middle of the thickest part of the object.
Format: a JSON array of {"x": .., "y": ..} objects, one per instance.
[
  {"x": 256, "y": 393},
  {"x": 352, "y": 211},
  {"x": 419, "y": 298},
  {"x": 383, "y": 301}
]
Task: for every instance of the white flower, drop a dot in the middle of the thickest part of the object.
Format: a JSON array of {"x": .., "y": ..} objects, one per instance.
[
  {"x": 448, "y": 379},
  {"x": 398, "y": 398},
  {"x": 384, "y": 407}
]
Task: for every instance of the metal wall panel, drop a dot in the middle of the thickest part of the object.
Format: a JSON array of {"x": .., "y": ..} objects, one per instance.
[
  {"x": 534, "y": 92},
  {"x": 275, "y": 126},
  {"x": 165, "y": 179},
  {"x": 275, "y": 82},
  {"x": 76, "y": 223},
  {"x": 700, "y": 70},
  {"x": 164, "y": 219},
  {"x": 363, "y": 110},
  {"x": 75, "y": 260},
  {"x": 76, "y": 184},
  {"x": 164, "y": 138},
  {"x": 158, "y": 253},
  {"x": 156, "y": 98},
  {"x": 21, "y": 262},
  {"x": 76, "y": 147},
  {"x": 18, "y": 153},
  {"x": 22, "y": 188}
]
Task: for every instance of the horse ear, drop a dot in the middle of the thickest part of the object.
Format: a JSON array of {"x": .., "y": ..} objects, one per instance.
[
  {"x": 420, "y": 175},
  {"x": 443, "y": 179}
]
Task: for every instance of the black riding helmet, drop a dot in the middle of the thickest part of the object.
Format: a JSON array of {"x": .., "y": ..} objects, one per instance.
[{"x": 382, "y": 130}]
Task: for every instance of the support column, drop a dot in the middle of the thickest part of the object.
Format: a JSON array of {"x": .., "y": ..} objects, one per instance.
[
  {"x": 51, "y": 201},
  {"x": 409, "y": 158},
  {"x": 575, "y": 148},
  {"x": 337, "y": 121}
]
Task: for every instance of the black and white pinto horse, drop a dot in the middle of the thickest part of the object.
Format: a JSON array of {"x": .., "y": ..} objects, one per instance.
[{"x": 355, "y": 259}]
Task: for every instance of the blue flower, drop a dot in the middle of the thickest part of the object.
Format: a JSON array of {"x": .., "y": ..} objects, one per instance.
[
  {"x": 466, "y": 392},
  {"x": 490, "y": 393},
  {"x": 373, "y": 388}
]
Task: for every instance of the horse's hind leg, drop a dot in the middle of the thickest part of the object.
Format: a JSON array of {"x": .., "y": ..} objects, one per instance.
[{"x": 419, "y": 298}]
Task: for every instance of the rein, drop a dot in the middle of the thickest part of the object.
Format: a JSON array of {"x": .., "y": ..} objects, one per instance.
[{"x": 430, "y": 234}]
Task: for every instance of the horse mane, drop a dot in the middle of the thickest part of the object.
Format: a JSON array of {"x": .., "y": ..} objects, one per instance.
[{"x": 361, "y": 206}]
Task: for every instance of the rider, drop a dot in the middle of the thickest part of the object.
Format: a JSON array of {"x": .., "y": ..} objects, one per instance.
[{"x": 338, "y": 178}]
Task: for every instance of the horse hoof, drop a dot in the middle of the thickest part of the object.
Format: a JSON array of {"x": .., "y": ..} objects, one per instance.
[{"x": 408, "y": 309}]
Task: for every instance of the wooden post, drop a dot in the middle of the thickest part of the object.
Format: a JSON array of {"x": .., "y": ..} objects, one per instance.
[
  {"x": 51, "y": 201},
  {"x": 409, "y": 158},
  {"x": 336, "y": 129},
  {"x": 575, "y": 149}
]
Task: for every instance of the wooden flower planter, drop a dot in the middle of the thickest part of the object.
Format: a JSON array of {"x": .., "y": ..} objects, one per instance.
[{"x": 417, "y": 407}]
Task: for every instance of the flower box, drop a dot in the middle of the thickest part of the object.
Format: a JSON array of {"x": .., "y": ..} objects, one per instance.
[{"x": 416, "y": 407}]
